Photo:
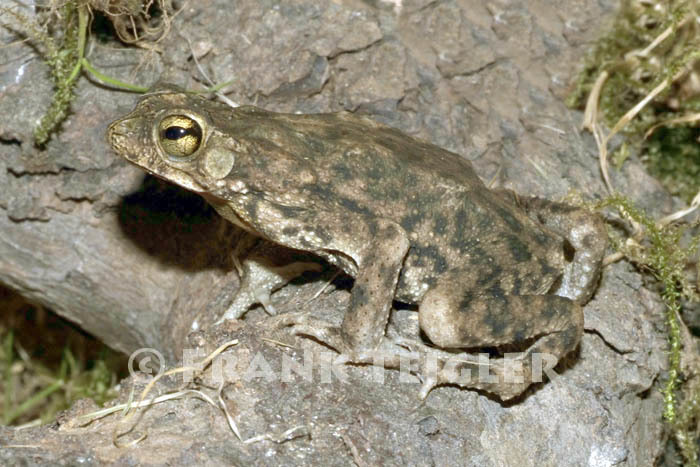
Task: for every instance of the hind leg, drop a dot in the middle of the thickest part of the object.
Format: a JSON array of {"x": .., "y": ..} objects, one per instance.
[
  {"x": 584, "y": 231},
  {"x": 454, "y": 318}
]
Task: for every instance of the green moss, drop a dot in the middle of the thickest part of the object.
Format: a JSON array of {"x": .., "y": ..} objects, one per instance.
[
  {"x": 672, "y": 154},
  {"x": 141, "y": 22},
  {"x": 660, "y": 252},
  {"x": 62, "y": 57},
  {"x": 633, "y": 75},
  {"x": 63, "y": 52}
]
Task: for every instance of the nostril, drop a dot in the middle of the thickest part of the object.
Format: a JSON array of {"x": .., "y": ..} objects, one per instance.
[
  {"x": 569, "y": 251},
  {"x": 115, "y": 138},
  {"x": 120, "y": 129}
]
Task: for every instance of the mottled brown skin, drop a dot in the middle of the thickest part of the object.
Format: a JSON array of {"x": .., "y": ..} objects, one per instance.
[{"x": 408, "y": 220}]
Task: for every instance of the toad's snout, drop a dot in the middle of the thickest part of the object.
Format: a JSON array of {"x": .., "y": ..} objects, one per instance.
[
  {"x": 124, "y": 135},
  {"x": 118, "y": 134}
]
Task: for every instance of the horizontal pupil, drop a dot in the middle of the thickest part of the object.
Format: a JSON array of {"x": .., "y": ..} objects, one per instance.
[{"x": 175, "y": 132}]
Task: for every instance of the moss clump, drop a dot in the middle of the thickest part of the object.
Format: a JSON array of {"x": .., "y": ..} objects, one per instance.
[
  {"x": 642, "y": 78},
  {"x": 62, "y": 38},
  {"x": 659, "y": 251},
  {"x": 650, "y": 43},
  {"x": 62, "y": 55}
]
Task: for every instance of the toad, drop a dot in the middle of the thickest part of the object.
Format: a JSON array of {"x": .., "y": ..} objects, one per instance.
[{"x": 409, "y": 221}]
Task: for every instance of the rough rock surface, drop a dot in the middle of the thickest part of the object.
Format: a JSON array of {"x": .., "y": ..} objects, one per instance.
[{"x": 135, "y": 262}]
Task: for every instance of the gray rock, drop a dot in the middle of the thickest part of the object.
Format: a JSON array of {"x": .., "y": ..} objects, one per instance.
[{"x": 141, "y": 264}]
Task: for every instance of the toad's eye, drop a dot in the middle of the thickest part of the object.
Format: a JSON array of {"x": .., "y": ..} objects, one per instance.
[{"x": 180, "y": 136}]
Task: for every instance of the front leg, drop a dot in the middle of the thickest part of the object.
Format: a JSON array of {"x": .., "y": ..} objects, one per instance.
[
  {"x": 370, "y": 249},
  {"x": 379, "y": 263},
  {"x": 375, "y": 285},
  {"x": 266, "y": 268}
]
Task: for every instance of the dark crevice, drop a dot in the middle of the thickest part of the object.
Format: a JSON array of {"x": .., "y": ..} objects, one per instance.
[
  {"x": 333, "y": 57},
  {"x": 475, "y": 71},
  {"x": 39, "y": 173},
  {"x": 607, "y": 343},
  {"x": 10, "y": 141}
]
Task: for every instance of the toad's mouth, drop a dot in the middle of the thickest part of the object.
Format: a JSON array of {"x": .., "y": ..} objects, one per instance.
[{"x": 178, "y": 177}]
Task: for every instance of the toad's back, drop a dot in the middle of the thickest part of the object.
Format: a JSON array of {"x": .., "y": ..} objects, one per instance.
[{"x": 452, "y": 219}]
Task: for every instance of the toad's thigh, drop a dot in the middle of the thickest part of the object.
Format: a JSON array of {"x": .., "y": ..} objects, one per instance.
[{"x": 454, "y": 316}]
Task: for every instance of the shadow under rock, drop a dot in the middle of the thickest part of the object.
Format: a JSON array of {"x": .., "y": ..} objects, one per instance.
[{"x": 177, "y": 227}]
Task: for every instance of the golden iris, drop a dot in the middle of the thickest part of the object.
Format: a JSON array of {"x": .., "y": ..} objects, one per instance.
[{"x": 180, "y": 136}]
